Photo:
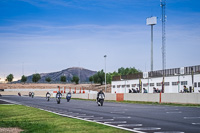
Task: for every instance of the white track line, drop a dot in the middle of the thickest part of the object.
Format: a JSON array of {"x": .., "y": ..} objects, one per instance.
[
  {"x": 10, "y": 101},
  {"x": 173, "y": 112},
  {"x": 115, "y": 122},
  {"x": 85, "y": 116},
  {"x": 196, "y": 123},
  {"x": 169, "y": 132},
  {"x": 147, "y": 128},
  {"x": 117, "y": 112},
  {"x": 94, "y": 118},
  {"x": 132, "y": 130},
  {"x": 105, "y": 120},
  {"x": 171, "y": 109},
  {"x": 122, "y": 117},
  {"x": 130, "y": 125},
  {"x": 191, "y": 117}
]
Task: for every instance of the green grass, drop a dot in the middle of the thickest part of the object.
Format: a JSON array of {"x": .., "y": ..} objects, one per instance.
[
  {"x": 34, "y": 120},
  {"x": 140, "y": 102}
]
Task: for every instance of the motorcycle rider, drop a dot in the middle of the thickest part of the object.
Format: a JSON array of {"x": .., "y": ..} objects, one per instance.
[
  {"x": 48, "y": 94},
  {"x": 58, "y": 93},
  {"x": 32, "y": 94},
  {"x": 68, "y": 97},
  {"x": 100, "y": 92}
]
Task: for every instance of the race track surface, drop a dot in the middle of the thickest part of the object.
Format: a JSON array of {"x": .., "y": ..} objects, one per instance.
[{"x": 133, "y": 117}]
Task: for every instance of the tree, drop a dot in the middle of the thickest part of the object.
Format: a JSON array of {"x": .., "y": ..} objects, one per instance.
[
  {"x": 75, "y": 79},
  {"x": 99, "y": 77},
  {"x": 48, "y": 79},
  {"x": 91, "y": 79},
  {"x": 63, "y": 79},
  {"x": 23, "y": 79},
  {"x": 36, "y": 77},
  {"x": 10, "y": 78},
  {"x": 126, "y": 71}
]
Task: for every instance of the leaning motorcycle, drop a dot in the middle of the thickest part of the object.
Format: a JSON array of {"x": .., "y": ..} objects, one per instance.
[
  {"x": 58, "y": 97},
  {"x": 100, "y": 100},
  {"x": 68, "y": 97}
]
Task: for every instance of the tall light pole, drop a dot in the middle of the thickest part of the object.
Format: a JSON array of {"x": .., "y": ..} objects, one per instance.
[
  {"x": 152, "y": 21},
  {"x": 105, "y": 71}
]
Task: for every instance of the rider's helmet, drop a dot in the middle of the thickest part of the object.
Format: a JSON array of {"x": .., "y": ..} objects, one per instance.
[{"x": 58, "y": 91}]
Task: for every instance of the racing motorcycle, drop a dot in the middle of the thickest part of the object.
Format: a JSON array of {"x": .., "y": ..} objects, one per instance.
[
  {"x": 68, "y": 97},
  {"x": 100, "y": 99},
  {"x": 48, "y": 97},
  {"x": 58, "y": 97},
  {"x": 32, "y": 94}
]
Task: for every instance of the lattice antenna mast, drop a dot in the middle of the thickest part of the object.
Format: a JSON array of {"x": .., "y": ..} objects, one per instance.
[{"x": 163, "y": 4}]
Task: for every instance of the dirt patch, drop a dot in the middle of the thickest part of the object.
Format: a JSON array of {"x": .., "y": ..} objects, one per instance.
[
  {"x": 10, "y": 130},
  {"x": 94, "y": 87}
]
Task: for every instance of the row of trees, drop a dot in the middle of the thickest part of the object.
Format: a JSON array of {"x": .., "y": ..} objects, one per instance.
[
  {"x": 36, "y": 77},
  {"x": 99, "y": 77}
]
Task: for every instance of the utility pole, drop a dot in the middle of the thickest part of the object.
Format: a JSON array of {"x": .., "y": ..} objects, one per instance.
[
  {"x": 105, "y": 71},
  {"x": 163, "y": 4}
]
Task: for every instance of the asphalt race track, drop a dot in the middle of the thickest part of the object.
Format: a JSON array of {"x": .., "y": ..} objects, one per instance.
[{"x": 132, "y": 117}]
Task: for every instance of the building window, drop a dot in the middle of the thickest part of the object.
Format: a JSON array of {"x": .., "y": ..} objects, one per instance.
[
  {"x": 174, "y": 83},
  {"x": 113, "y": 86},
  {"x": 145, "y": 84},
  {"x": 183, "y": 82},
  {"x": 198, "y": 84},
  {"x": 118, "y": 86},
  {"x": 128, "y": 86},
  {"x": 137, "y": 85},
  {"x": 158, "y": 84},
  {"x": 151, "y": 84},
  {"x": 166, "y": 83},
  {"x": 123, "y": 86},
  {"x": 195, "y": 84},
  {"x": 133, "y": 85}
]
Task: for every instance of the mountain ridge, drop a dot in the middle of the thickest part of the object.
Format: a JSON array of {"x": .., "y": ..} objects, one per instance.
[{"x": 82, "y": 73}]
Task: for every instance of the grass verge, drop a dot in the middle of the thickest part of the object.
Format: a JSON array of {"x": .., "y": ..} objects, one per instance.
[{"x": 34, "y": 120}]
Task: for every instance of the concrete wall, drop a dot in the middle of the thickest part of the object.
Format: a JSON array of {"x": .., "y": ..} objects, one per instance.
[
  {"x": 37, "y": 93},
  {"x": 193, "y": 98},
  {"x": 108, "y": 96},
  {"x": 185, "y": 98},
  {"x": 145, "y": 97}
]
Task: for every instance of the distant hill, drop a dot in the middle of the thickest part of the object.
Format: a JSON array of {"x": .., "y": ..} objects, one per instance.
[{"x": 82, "y": 73}]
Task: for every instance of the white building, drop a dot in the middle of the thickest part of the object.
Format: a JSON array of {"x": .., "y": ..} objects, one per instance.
[{"x": 174, "y": 80}]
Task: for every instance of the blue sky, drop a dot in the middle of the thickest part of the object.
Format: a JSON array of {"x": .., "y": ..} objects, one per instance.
[{"x": 51, "y": 35}]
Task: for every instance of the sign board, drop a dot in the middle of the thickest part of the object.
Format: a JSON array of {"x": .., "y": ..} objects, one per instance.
[{"x": 152, "y": 21}]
